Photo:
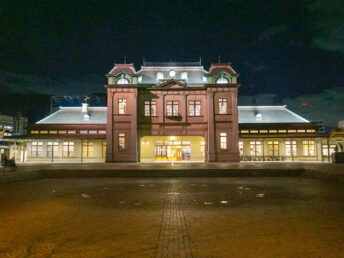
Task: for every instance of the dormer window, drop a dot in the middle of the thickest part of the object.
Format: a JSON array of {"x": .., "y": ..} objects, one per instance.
[
  {"x": 172, "y": 73},
  {"x": 259, "y": 116},
  {"x": 184, "y": 75},
  {"x": 221, "y": 80},
  {"x": 159, "y": 76},
  {"x": 139, "y": 79},
  {"x": 122, "y": 81}
]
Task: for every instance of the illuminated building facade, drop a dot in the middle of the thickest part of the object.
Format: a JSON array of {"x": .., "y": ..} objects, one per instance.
[{"x": 173, "y": 112}]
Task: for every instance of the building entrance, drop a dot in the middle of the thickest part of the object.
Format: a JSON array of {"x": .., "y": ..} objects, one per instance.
[{"x": 173, "y": 148}]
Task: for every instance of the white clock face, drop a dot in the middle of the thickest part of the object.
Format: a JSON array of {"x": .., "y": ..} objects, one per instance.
[{"x": 172, "y": 73}]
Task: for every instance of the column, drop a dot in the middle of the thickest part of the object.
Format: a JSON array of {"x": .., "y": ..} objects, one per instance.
[{"x": 211, "y": 127}]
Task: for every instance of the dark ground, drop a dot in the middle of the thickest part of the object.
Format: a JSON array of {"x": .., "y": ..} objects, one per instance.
[{"x": 198, "y": 217}]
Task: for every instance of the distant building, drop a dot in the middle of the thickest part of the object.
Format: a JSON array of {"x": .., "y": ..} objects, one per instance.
[{"x": 173, "y": 112}]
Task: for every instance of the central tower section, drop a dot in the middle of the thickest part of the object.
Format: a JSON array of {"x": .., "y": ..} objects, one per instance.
[{"x": 172, "y": 112}]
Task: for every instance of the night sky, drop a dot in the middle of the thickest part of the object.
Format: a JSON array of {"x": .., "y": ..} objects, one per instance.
[{"x": 286, "y": 52}]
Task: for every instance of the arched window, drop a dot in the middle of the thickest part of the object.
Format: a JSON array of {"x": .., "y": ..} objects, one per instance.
[
  {"x": 159, "y": 76},
  {"x": 122, "y": 81},
  {"x": 221, "y": 80},
  {"x": 184, "y": 75}
]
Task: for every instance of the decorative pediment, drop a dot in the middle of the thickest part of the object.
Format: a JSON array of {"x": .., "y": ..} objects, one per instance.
[{"x": 172, "y": 84}]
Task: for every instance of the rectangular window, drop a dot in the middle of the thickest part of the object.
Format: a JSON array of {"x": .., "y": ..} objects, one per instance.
[
  {"x": 325, "y": 149},
  {"x": 222, "y": 106},
  {"x": 223, "y": 141},
  {"x": 101, "y": 131},
  {"x": 121, "y": 141},
  {"x": 122, "y": 106},
  {"x": 103, "y": 149},
  {"x": 241, "y": 148},
  {"x": 290, "y": 148},
  {"x": 172, "y": 108},
  {"x": 255, "y": 148},
  {"x": 37, "y": 149},
  {"x": 67, "y": 149},
  {"x": 83, "y": 131},
  {"x": 308, "y": 148},
  {"x": 87, "y": 149},
  {"x": 194, "y": 108},
  {"x": 150, "y": 108},
  {"x": 273, "y": 148},
  {"x": 52, "y": 149}
]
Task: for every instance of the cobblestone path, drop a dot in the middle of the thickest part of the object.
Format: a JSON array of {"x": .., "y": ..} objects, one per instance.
[{"x": 174, "y": 238}]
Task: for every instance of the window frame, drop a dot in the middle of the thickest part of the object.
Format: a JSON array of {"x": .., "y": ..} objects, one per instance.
[
  {"x": 122, "y": 106},
  {"x": 223, "y": 106},
  {"x": 194, "y": 106},
  {"x": 67, "y": 148},
  {"x": 223, "y": 141},
  {"x": 121, "y": 142},
  {"x": 122, "y": 81},
  {"x": 150, "y": 108},
  {"x": 309, "y": 148},
  {"x": 172, "y": 108}
]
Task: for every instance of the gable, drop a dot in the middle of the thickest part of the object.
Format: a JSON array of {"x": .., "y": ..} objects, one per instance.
[{"x": 172, "y": 84}]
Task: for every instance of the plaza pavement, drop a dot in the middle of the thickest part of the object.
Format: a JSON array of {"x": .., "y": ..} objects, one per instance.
[{"x": 321, "y": 170}]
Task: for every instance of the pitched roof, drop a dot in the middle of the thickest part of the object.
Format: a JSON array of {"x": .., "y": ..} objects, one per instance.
[
  {"x": 73, "y": 115},
  {"x": 221, "y": 67},
  {"x": 123, "y": 68},
  {"x": 247, "y": 114},
  {"x": 269, "y": 114}
]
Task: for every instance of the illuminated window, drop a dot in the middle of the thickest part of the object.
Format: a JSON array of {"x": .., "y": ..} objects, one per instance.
[
  {"x": 92, "y": 131},
  {"x": 37, "y": 149},
  {"x": 159, "y": 76},
  {"x": 101, "y": 131},
  {"x": 62, "y": 132},
  {"x": 71, "y": 132},
  {"x": 244, "y": 131},
  {"x": 43, "y": 132},
  {"x": 290, "y": 148},
  {"x": 202, "y": 149},
  {"x": 139, "y": 79},
  {"x": 87, "y": 149},
  {"x": 291, "y": 131},
  {"x": 263, "y": 131},
  {"x": 172, "y": 108},
  {"x": 121, "y": 141},
  {"x": 34, "y": 132},
  {"x": 325, "y": 149},
  {"x": 301, "y": 131},
  {"x": 223, "y": 141},
  {"x": 272, "y": 131},
  {"x": 83, "y": 131},
  {"x": 150, "y": 108},
  {"x": 241, "y": 148},
  {"x": 194, "y": 108},
  {"x": 282, "y": 131},
  {"x": 122, "y": 81},
  {"x": 122, "y": 106},
  {"x": 184, "y": 75},
  {"x": 310, "y": 131},
  {"x": 253, "y": 131},
  {"x": 53, "y": 132},
  {"x": 255, "y": 148},
  {"x": 52, "y": 148},
  {"x": 308, "y": 148},
  {"x": 172, "y": 73},
  {"x": 221, "y": 80},
  {"x": 222, "y": 106},
  {"x": 273, "y": 148},
  {"x": 67, "y": 149},
  {"x": 103, "y": 149}
]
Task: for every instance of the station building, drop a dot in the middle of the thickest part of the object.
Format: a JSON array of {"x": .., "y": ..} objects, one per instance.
[{"x": 173, "y": 112}]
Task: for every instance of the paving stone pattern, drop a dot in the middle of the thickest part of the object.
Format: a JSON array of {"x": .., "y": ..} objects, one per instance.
[{"x": 174, "y": 239}]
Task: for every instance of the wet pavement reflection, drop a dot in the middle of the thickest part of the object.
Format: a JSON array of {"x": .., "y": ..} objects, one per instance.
[{"x": 183, "y": 217}]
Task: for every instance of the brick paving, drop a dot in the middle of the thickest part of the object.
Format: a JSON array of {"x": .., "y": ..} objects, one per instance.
[{"x": 174, "y": 239}]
